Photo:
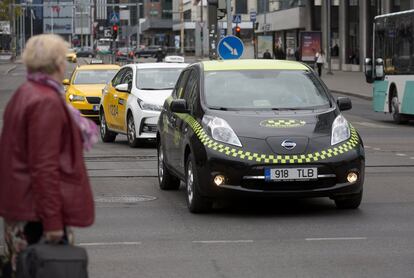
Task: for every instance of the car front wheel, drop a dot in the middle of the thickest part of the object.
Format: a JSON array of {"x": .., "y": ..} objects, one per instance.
[
  {"x": 195, "y": 202},
  {"x": 133, "y": 141},
  {"x": 106, "y": 135}
]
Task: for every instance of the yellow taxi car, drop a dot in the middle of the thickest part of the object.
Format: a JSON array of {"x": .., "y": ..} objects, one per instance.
[
  {"x": 84, "y": 88},
  {"x": 71, "y": 56}
]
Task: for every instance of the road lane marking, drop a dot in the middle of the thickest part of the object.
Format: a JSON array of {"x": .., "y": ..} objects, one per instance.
[
  {"x": 109, "y": 243},
  {"x": 376, "y": 149},
  {"x": 222, "y": 241},
  {"x": 334, "y": 238},
  {"x": 400, "y": 154},
  {"x": 411, "y": 157}
]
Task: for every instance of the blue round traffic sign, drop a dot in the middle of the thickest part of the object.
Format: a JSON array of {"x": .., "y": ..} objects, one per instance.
[{"x": 230, "y": 47}]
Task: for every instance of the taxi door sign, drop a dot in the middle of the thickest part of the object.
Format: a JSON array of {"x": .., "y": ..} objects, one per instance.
[{"x": 230, "y": 47}]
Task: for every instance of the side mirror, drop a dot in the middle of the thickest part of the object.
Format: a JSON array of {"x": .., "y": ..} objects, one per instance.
[
  {"x": 179, "y": 106},
  {"x": 66, "y": 82},
  {"x": 122, "y": 88},
  {"x": 344, "y": 103},
  {"x": 379, "y": 69},
  {"x": 368, "y": 70}
]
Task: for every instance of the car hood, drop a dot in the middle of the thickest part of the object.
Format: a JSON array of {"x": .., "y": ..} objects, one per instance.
[
  {"x": 89, "y": 90},
  {"x": 307, "y": 129},
  {"x": 154, "y": 96}
]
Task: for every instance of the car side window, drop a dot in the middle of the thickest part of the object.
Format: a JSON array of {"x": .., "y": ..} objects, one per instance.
[
  {"x": 127, "y": 78},
  {"x": 179, "y": 87},
  {"x": 191, "y": 89},
  {"x": 118, "y": 77}
]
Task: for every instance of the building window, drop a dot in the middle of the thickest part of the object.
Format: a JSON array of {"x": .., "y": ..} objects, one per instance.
[
  {"x": 187, "y": 15},
  {"x": 400, "y": 5},
  {"x": 262, "y": 6},
  {"x": 241, "y": 6},
  {"x": 352, "y": 32}
]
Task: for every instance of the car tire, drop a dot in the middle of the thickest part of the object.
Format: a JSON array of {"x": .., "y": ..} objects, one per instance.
[
  {"x": 349, "y": 202},
  {"x": 166, "y": 180},
  {"x": 133, "y": 141},
  {"x": 107, "y": 136},
  {"x": 195, "y": 202},
  {"x": 397, "y": 117}
]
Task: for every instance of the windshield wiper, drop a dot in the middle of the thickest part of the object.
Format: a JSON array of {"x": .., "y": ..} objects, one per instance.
[
  {"x": 148, "y": 89},
  {"x": 219, "y": 108}
]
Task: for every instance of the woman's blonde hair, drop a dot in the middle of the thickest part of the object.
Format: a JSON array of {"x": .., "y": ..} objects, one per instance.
[{"x": 45, "y": 53}]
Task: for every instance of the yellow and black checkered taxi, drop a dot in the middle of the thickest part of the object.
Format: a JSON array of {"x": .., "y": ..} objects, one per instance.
[{"x": 258, "y": 127}]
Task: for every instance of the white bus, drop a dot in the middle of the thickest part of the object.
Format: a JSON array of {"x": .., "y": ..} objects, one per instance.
[{"x": 391, "y": 68}]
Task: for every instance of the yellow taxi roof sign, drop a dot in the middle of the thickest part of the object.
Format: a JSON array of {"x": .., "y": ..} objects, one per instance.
[{"x": 253, "y": 64}]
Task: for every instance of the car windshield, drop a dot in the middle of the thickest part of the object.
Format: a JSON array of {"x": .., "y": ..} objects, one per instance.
[
  {"x": 264, "y": 90},
  {"x": 94, "y": 76},
  {"x": 157, "y": 79}
]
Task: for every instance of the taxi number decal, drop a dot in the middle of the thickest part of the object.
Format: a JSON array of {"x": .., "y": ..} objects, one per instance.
[{"x": 113, "y": 109}]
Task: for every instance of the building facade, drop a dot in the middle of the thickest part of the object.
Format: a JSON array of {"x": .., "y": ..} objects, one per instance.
[{"x": 349, "y": 23}]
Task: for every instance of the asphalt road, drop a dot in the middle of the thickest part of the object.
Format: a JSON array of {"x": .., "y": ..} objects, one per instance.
[{"x": 141, "y": 231}]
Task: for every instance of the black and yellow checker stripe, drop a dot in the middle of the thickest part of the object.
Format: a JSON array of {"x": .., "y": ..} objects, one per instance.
[
  {"x": 282, "y": 123},
  {"x": 208, "y": 142}
]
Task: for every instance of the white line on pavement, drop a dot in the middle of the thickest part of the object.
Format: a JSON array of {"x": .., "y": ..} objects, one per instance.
[
  {"x": 377, "y": 149},
  {"x": 222, "y": 241},
  {"x": 400, "y": 154},
  {"x": 411, "y": 157},
  {"x": 109, "y": 243},
  {"x": 335, "y": 238}
]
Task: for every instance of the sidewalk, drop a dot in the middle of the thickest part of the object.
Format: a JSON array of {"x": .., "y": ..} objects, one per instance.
[{"x": 348, "y": 83}]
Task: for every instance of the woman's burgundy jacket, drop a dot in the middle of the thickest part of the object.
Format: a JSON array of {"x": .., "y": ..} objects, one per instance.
[{"x": 42, "y": 172}]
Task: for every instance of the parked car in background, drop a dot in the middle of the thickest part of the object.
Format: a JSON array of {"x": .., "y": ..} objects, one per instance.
[
  {"x": 85, "y": 52},
  {"x": 124, "y": 54},
  {"x": 149, "y": 51},
  {"x": 71, "y": 55}
]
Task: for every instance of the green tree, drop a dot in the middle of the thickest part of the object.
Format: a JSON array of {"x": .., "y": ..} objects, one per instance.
[{"x": 5, "y": 9}]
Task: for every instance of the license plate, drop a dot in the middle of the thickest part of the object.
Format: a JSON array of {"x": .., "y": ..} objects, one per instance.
[
  {"x": 286, "y": 174},
  {"x": 96, "y": 108}
]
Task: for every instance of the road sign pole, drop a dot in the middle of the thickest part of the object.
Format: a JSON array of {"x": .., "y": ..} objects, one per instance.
[{"x": 229, "y": 18}]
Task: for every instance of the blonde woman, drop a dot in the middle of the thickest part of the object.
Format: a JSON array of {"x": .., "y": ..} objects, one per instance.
[{"x": 44, "y": 184}]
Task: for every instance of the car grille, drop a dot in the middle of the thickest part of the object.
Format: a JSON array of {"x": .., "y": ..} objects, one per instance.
[
  {"x": 288, "y": 185},
  {"x": 93, "y": 100},
  {"x": 89, "y": 112}
]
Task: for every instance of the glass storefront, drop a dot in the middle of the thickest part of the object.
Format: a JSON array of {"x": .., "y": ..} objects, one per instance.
[{"x": 400, "y": 5}]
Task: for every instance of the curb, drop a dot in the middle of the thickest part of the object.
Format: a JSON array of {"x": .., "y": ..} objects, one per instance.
[{"x": 352, "y": 95}]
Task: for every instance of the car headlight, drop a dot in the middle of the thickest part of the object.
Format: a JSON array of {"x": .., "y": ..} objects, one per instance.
[
  {"x": 340, "y": 130},
  {"x": 149, "y": 106},
  {"x": 220, "y": 130},
  {"x": 73, "y": 97}
]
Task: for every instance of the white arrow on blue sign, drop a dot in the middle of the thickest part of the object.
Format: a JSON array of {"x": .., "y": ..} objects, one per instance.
[{"x": 230, "y": 47}]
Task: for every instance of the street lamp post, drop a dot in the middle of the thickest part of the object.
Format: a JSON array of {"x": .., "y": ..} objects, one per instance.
[
  {"x": 138, "y": 24},
  {"x": 182, "y": 26},
  {"x": 229, "y": 18},
  {"x": 328, "y": 45}
]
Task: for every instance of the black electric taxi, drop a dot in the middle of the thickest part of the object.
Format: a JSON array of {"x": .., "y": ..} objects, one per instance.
[{"x": 259, "y": 127}]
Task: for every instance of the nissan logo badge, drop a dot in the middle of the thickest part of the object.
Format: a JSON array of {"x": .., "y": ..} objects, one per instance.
[{"x": 288, "y": 144}]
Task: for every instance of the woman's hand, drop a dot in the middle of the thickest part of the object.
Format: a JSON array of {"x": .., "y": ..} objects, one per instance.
[{"x": 54, "y": 236}]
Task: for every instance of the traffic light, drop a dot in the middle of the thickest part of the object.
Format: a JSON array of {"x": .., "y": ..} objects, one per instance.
[
  {"x": 114, "y": 32},
  {"x": 237, "y": 30}
]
